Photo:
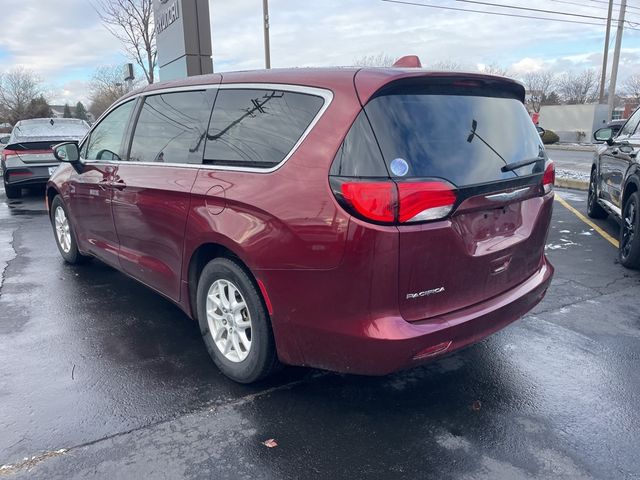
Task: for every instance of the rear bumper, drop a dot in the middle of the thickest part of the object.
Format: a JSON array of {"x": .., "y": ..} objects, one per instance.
[
  {"x": 27, "y": 175},
  {"x": 387, "y": 344}
]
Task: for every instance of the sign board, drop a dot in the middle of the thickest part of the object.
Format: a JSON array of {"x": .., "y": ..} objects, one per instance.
[{"x": 183, "y": 38}]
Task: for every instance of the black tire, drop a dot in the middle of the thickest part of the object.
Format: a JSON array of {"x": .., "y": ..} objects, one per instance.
[
  {"x": 629, "y": 252},
  {"x": 594, "y": 210},
  {"x": 12, "y": 191},
  {"x": 71, "y": 254},
  {"x": 261, "y": 358}
]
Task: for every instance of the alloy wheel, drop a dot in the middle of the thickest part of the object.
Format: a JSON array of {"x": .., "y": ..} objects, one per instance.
[
  {"x": 591, "y": 198},
  {"x": 229, "y": 320},
  {"x": 628, "y": 229},
  {"x": 63, "y": 233}
]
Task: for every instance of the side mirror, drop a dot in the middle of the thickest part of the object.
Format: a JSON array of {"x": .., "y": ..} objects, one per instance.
[
  {"x": 540, "y": 131},
  {"x": 603, "y": 135},
  {"x": 67, "y": 152},
  {"x": 4, "y": 140}
]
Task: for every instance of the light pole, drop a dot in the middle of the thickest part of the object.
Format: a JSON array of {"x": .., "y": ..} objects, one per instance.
[
  {"x": 265, "y": 23},
  {"x": 616, "y": 58},
  {"x": 603, "y": 79}
]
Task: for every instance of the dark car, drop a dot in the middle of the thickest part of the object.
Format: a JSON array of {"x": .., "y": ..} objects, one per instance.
[
  {"x": 614, "y": 185},
  {"x": 614, "y": 126},
  {"x": 28, "y": 159},
  {"x": 356, "y": 220}
]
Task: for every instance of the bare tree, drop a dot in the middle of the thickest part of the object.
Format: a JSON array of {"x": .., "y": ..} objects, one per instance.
[
  {"x": 495, "y": 69},
  {"x": 631, "y": 87},
  {"x": 539, "y": 86},
  {"x": 106, "y": 86},
  {"x": 447, "y": 66},
  {"x": 18, "y": 88},
  {"x": 577, "y": 88},
  {"x": 380, "y": 60},
  {"x": 131, "y": 22}
]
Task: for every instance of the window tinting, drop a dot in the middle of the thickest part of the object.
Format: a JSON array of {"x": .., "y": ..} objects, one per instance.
[
  {"x": 257, "y": 127},
  {"x": 630, "y": 127},
  {"x": 435, "y": 134},
  {"x": 359, "y": 154},
  {"x": 171, "y": 128},
  {"x": 105, "y": 141}
]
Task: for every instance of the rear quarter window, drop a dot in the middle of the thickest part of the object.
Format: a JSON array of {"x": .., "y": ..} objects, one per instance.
[{"x": 257, "y": 127}]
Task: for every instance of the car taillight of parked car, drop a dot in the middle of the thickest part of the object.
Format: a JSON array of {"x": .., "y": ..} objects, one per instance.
[
  {"x": 8, "y": 153},
  {"x": 389, "y": 202},
  {"x": 549, "y": 177}
]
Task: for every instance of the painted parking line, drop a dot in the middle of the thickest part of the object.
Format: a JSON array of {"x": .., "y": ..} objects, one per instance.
[{"x": 602, "y": 233}]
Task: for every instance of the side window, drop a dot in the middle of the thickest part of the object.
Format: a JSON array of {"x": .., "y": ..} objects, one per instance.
[
  {"x": 257, "y": 128},
  {"x": 631, "y": 125},
  {"x": 171, "y": 128},
  {"x": 359, "y": 154},
  {"x": 105, "y": 141}
]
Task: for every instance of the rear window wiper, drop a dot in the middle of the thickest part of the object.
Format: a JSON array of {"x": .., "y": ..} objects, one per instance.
[{"x": 522, "y": 163}]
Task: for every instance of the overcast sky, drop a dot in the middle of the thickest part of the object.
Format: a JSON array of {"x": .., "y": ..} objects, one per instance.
[{"x": 63, "y": 40}]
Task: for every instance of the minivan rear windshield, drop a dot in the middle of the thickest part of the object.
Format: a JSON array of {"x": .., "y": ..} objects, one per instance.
[{"x": 463, "y": 138}]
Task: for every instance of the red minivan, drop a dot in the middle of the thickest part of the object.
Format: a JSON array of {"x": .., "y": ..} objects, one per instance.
[{"x": 356, "y": 220}]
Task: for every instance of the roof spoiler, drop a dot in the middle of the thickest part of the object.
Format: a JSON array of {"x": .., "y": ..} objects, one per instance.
[{"x": 408, "y": 61}]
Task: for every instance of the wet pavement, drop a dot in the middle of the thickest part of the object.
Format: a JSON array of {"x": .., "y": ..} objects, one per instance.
[
  {"x": 102, "y": 378},
  {"x": 574, "y": 160}
]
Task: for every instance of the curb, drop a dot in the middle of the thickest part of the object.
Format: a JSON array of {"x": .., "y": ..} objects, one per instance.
[
  {"x": 575, "y": 148},
  {"x": 572, "y": 184}
]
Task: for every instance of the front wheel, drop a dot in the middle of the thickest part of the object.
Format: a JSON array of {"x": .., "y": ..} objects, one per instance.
[
  {"x": 234, "y": 323},
  {"x": 65, "y": 237},
  {"x": 629, "y": 232},
  {"x": 594, "y": 210}
]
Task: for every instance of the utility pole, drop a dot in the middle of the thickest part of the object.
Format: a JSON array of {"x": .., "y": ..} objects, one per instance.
[
  {"x": 606, "y": 53},
  {"x": 616, "y": 58},
  {"x": 267, "y": 52}
]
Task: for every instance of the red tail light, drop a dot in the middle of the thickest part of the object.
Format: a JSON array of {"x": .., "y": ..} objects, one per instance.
[
  {"x": 388, "y": 202},
  {"x": 549, "y": 177},
  {"x": 7, "y": 153},
  {"x": 420, "y": 201},
  {"x": 372, "y": 200}
]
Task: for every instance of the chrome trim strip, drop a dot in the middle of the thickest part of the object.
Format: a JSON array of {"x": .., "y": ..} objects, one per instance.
[
  {"x": 327, "y": 95},
  {"x": 611, "y": 206},
  {"x": 506, "y": 196}
]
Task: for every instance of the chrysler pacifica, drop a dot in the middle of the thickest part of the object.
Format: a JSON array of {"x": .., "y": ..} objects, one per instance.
[{"x": 356, "y": 220}]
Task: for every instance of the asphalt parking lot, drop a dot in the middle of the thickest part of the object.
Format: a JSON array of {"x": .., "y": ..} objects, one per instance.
[{"x": 102, "y": 378}]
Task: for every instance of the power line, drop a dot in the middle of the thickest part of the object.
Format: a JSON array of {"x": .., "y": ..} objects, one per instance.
[
  {"x": 537, "y": 10},
  {"x": 616, "y": 4},
  {"x": 500, "y": 14},
  {"x": 567, "y": 2}
]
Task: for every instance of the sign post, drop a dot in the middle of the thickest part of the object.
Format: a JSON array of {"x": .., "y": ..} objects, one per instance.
[{"x": 183, "y": 38}]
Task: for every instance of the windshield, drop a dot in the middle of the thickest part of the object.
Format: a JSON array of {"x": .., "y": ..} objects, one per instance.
[
  {"x": 49, "y": 128},
  {"x": 464, "y": 139}
]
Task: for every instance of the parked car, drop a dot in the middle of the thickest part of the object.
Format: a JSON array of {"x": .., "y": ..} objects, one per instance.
[
  {"x": 4, "y": 139},
  {"x": 615, "y": 184},
  {"x": 297, "y": 226},
  {"x": 28, "y": 159}
]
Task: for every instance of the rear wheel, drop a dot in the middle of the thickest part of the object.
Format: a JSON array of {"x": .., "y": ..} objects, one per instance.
[
  {"x": 234, "y": 323},
  {"x": 594, "y": 210},
  {"x": 629, "y": 233},
  {"x": 64, "y": 234},
  {"x": 11, "y": 191}
]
